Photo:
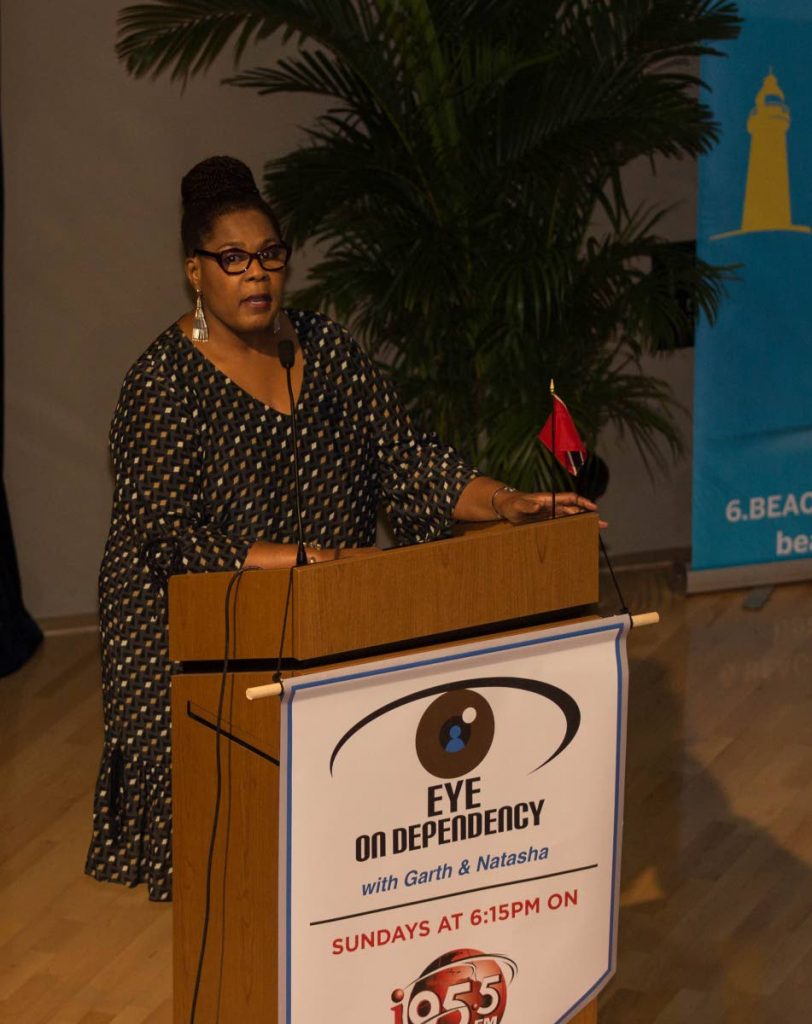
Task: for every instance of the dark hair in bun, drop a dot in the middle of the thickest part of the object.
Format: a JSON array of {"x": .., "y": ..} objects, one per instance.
[{"x": 213, "y": 187}]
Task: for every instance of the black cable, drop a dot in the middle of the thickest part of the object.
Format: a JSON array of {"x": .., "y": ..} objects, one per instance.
[
  {"x": 287, "y": 357},
  {"x": 235, "y": 579},
  {"x": 227, "y": 836},
  {"x": 624, "y": 608},
  {"x": 277, "y": 676}
]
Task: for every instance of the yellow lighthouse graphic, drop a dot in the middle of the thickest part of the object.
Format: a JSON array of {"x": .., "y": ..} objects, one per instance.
[{"x": 767, "y": 196}]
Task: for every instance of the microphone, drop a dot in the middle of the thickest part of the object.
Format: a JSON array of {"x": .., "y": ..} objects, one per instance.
[
  {"x": 287, "y": 354},
  {"x": 287, "y": 357}
]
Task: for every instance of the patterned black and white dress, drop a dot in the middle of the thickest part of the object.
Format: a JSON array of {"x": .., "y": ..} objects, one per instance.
[{"x": 203, "y": 470}]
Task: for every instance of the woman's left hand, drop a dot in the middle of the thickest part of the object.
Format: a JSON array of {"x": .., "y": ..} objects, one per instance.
[{"x": 519, "y": 506}]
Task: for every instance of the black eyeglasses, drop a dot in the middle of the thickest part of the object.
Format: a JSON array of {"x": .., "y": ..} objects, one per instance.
[{"x": 237, "y": 261}]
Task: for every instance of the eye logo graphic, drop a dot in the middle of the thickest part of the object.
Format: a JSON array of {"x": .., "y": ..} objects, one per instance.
[
  {"x": 457, "y": 729},
  {"x": 465, "y": 986},
  {"x": 455, "y": 734}
]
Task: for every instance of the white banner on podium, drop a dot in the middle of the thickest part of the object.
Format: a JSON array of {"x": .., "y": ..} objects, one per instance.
[{"x": 450, "y": 832}]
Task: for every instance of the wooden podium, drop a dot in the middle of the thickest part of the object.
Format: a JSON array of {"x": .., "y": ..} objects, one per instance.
[{"x": 490, "y": 580}]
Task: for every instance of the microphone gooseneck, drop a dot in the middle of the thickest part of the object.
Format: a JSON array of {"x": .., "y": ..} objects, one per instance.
[{"x": 287, "y": 357}]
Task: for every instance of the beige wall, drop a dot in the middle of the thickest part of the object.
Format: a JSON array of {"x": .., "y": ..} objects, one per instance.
[
  {"x": 647, "y": 513},
  {"x": 93, "y": 273},
  {"x": 651, "y": 513},
  {"x": 93, "y": 161}
]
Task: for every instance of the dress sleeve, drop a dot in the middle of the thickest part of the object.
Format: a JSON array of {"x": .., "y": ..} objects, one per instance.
[
  {"x": 421, "y": 478},
  {"x": 157, "y": 457}
]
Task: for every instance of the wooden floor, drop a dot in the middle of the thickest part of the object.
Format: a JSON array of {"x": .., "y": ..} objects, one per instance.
[{"x": 716, "y": 922}]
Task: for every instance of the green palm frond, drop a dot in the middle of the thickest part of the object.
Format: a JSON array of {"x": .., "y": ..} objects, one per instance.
[
  {"x": 313, "y": 72},
  {"x": 185, "y": 36},
  {"x": 456, "y": 181}
]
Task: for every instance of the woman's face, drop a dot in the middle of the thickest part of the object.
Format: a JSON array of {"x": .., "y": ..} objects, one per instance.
[{"x": 243, "y": 303}]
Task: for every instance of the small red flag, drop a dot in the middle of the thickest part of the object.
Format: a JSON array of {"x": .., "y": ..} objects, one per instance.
[{"x": 570, "y": 450}]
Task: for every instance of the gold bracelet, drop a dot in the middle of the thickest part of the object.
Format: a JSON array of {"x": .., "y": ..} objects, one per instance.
[{"x": 504, "y": 487}]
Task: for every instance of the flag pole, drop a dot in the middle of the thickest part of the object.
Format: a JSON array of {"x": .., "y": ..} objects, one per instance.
[{"x": 552, "y": 468}]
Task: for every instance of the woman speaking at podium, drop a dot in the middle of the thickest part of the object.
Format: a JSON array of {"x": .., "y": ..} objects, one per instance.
[{"x": 202, "y": 446}]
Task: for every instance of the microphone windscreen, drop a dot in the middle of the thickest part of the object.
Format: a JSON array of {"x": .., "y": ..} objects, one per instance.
[{"x": 287, "y": 354}]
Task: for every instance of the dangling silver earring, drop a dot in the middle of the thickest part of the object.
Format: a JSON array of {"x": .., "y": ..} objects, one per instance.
[{"x": 200, "y": 329}]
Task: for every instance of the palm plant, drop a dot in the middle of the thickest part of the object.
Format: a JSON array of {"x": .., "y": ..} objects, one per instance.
[{"x": 465, "y": 186}]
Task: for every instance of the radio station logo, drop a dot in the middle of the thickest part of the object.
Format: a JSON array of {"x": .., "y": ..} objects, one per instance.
[{"x": 465, "y": 986}]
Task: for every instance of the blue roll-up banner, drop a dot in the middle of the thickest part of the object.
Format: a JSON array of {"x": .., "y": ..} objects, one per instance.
[{"x": 752, "y": 484}]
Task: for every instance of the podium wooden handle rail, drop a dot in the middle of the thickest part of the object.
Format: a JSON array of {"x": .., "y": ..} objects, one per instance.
[
  {"x": 483, "y": 583},
  {"x": 276, "y": 689}
]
